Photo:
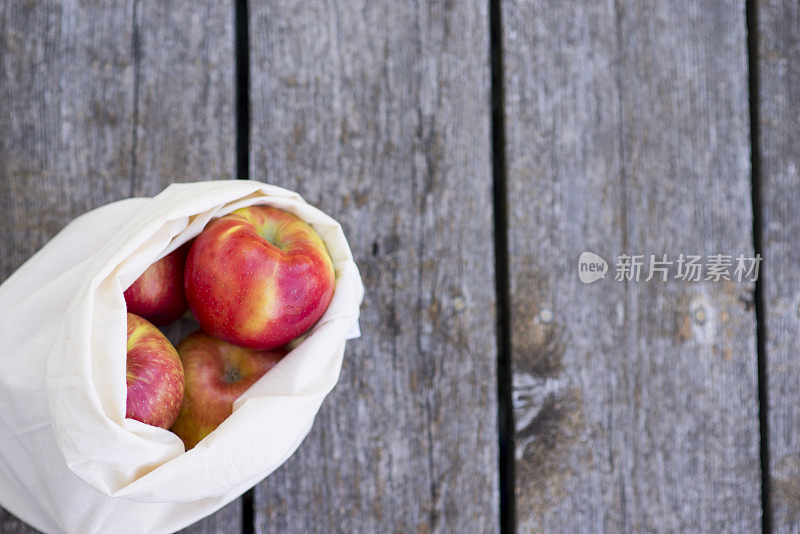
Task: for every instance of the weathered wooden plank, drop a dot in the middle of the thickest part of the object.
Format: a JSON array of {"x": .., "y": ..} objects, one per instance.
[
  {"x": 185, "y": 118},
  {"x": 66, "y": 109},
  {"x": 778, "y": 64},
  {"x": 185, "y": 94},
  {"x": 228, "y": 520},
  {"x": 635, "y": 402},
  {"x": 378, "y": 112},
  {"x": 11, "y": 525},
  {"x": 101, "y": 102},
  {"x": 66, "y": 104}
]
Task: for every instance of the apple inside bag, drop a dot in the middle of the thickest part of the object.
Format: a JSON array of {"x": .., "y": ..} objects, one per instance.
[{"x": 70, "y": 460}]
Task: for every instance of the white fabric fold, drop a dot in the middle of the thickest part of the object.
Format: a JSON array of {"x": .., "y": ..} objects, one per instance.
[{"x": 69, "y": 459}]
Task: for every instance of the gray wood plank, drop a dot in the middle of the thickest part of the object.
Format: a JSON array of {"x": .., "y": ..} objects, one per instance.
[
  {"x": 227, "y": 520},
  {"x": 185, "y": 91},
  {"x": 101, "y": 102},
  {"x": 66, "y": 110},
  {"x": 185, "y": 117},
  {"x": 66, "y": 106},
  {"x": 11, "y": 525},
  {"x": 378, "y": 112},
  {"x": 778, "y": 111},
  {"x": 635, "y": 403}
]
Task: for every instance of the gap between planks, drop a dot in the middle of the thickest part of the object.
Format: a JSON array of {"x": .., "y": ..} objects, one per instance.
[
  {"x": 242, "y": 81},
  {"x": 505, "y": 417},
  {"x": 751, "y": 15}
]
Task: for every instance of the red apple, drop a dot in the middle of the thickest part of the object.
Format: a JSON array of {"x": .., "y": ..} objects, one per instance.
[
  {"x": 154, "y": 375},
  {"x": 217, "y": 373},
  {"x": 258, "y": 277},
  {"x": 158, "y": 295}
]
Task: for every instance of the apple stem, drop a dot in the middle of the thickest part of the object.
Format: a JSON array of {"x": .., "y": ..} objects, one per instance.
[
  {"x": 231, "y": 375},
  {"x": 269, "y": 233}
]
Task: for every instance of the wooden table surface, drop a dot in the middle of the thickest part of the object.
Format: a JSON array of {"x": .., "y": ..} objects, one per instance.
[{"x": 472, "y": 151}]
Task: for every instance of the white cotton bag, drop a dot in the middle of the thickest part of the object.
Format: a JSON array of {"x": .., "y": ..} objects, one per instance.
[{"x": 69, "y": 459}]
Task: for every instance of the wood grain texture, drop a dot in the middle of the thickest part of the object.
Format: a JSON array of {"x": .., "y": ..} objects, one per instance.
[
  {"x": 635, "y": 403},
  {"x": 185, "y": 124},
  {"x": 66, "y": 101},
  {"x": 778, "y": 112},
  {"x": 378, "y": 113},
  {"x": 11, "y": 525},
  {"x": 99, "y": 102},
  {"x": 66, "y": 113},
  {"x": 227, "y": 520},
  {"x": 185, "y": 94}
]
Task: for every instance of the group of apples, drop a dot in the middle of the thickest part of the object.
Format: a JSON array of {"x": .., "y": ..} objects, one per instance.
[{"x": 255, "y": 280}]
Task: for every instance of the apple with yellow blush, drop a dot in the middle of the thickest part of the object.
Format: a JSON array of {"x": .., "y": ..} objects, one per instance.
[
  {"x": 154, "y": 375},
  {"x": 258, "y": 277},
  {"x": 158, "y": 294},
  {"x": 217, "y": 373}
]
